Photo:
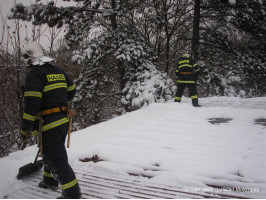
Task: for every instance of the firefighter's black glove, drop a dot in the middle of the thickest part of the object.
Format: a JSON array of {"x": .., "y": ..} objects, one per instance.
[
  {"x": 25, "y": 135},
  {"x": 21, "y": 92}
]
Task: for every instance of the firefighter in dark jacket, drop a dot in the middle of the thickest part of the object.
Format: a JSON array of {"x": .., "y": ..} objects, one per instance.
[
  {"x": 186, "y": 76},
  {"x": 48, "y": 90}
]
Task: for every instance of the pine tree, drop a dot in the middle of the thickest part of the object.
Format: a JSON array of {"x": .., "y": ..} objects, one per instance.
[{"x": 232, "y": 43}]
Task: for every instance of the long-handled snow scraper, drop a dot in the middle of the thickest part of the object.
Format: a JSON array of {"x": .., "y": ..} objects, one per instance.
[{"x": 37, "y": 164}]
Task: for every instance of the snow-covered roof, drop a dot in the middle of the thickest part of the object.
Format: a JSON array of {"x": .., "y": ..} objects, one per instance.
[{"x": 172, "y": 144}]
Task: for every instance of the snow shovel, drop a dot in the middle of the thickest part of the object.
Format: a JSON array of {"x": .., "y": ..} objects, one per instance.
[
  {"x": 30, "y": 168},
  {"x": 36, "y": 165}
]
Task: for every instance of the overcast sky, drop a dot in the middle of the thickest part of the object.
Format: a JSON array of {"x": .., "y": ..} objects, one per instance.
[{"x": 6, "y": 5}]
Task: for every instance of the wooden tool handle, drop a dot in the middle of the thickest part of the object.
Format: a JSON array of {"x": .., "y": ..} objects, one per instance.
[{"x": 69, "y": 132}]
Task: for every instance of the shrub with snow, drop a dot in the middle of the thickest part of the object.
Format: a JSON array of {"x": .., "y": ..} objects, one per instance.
[{"x": 118, "y": 75}]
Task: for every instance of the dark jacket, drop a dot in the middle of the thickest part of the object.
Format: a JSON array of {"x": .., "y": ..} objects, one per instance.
[
  {"x": 46, "y": 87},
  {"x": 187, "y": 70}
]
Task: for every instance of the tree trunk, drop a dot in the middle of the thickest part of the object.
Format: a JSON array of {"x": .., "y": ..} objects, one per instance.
[
  {"x": 195, "y": 36},
  {"x": 168, "y": 37}
]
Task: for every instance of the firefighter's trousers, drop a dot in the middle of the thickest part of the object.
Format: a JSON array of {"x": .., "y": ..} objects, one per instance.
[
  {"x": 192, "y": 92},
  {"x": 55, "y": 159}
]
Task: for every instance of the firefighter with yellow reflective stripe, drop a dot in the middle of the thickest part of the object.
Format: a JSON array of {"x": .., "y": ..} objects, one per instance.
[
  {"x": 186, "y": 76},
  {"x": 48, "y": 88}
]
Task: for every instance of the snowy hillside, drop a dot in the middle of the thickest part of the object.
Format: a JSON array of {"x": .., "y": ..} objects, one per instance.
[{"x": 172, "y": 144}]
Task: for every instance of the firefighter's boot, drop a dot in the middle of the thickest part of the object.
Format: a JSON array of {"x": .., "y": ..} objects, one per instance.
[
  {"x": 71, "y": 193},
  {"x": 177, "y": 99},
  {"x": 195, "y": 102},
  {"x": 48, "y": 182},
  {"x": 45, "y": 185}
]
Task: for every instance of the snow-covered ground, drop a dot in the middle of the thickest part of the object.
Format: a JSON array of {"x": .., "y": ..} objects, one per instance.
[{"x": 172, "y": 144}]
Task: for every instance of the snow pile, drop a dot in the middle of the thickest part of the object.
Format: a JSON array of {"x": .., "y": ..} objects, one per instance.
[{"x": 173, "y": 144}]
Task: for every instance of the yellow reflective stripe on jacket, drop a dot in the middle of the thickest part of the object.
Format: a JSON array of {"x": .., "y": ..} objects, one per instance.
[
  {"x": 69, "y": 185},
  {"x": 29, "y": 117},
  {"x": 23, "y": 132},
  {"x": 32, "y": 94},
  {"x": 183, "y": 61},
  {"x": 47, "y": 174},
  {"x": 55, "y": 124},
  {"x": 34, "y": 133},
  {"x": 194, "y": 97},
  {"x": 185, "y": 81},
  {"x": 51, "y": 125},
  {"x": 54, "y": 86},
  {"x": 195, "y": 65},
  {"x": 72, "y": 87},
  {"x": 185, "y": 65}
]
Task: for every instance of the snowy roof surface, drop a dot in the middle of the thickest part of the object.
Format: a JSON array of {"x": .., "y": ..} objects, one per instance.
[{"x": 221, "y": 144}]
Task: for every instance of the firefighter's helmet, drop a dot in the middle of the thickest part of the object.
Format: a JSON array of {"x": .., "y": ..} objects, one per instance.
[
  {"x": 185, "y": 55},
  {"x": 34, "y": 55}
]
